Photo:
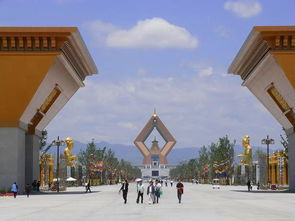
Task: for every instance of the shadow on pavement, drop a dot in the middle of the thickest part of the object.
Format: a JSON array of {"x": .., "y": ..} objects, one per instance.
[
  {"x": 64, "y": 193},
  {"x": 262, "y": 191}
]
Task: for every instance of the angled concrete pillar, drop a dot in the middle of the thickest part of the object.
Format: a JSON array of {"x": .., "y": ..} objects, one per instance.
[
  {"x": 41, "y": 69},
  {"x": 12, "y": 160},
  {"x": 291, "y": 162},
  {"x": 266, "y": 65},
  {"x": 32, "y": 158}
]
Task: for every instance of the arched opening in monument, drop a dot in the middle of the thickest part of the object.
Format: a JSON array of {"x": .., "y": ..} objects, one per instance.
[{"x": 155, "y": 135}]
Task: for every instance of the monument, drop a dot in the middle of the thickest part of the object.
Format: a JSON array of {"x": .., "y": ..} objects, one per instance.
[
  {"x": 41, "y": 69},
  {"x": 266, "y": 65},
  {"x": 155, "y": 164}
]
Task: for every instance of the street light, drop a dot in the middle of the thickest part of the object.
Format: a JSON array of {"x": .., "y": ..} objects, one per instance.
[
  {"x": 267, "y": 141},
  {"x": 57, "y": 143}
]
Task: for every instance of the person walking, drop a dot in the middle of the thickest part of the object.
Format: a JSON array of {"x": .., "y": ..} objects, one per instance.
[
  {"x": 38, "y": 186},
  {"x": 140, "y": 191},
  {"x": 28, "y": 190},
  {"x": 171, "y": 183},
  {"x": 151, "y": 192},
  {"x": 124, "y": 189},
  {"x": 158, "y": 188},
  {"x": 34, "y": 185},
  {"x": 88, "y": 187},
  {"x": 166, "y": 183},
  {"x": 179, "y": 187},
  {"x": 249, "y": 185},
  {"x": 14, "y": 189}
]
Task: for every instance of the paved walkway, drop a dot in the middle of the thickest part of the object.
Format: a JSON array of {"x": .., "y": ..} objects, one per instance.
[{"x": 200, "y": 202}]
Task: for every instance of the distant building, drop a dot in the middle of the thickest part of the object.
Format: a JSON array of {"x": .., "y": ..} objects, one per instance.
[{"x": 155, "y": 164}]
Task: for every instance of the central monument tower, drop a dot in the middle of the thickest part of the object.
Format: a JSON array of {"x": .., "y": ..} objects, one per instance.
[{"x": 155, "y": 159}]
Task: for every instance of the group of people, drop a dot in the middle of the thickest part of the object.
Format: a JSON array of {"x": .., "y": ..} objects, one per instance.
[
  {"x": 28, "y": 188},
  {"x": 154, "y": 191}
]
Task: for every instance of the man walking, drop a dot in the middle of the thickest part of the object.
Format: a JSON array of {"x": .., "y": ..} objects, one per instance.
[
  {"x": 140, "y": 191},
  {"x": 28, "y": 190},
  {"x": 171, "y": 182},
  {"x": 249, "y": 185},
  {"x": 158, "y": 187},
  {"x": 124, "y": 189},
  {"x": 179, "y": 188},
  {"x": 151, "y": 192},
  {"x": 14, "y": 189},
  {"x": 88, "y": 187}
]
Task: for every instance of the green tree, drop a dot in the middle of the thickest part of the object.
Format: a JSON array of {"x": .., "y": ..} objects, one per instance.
[{"x": 222, "y": 155}]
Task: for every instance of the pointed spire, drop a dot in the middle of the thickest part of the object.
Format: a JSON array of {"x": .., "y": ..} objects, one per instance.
[{"x": 155, "y": 114}]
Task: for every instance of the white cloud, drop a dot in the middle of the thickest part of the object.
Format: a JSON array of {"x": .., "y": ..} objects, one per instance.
[
  {"x": 244, "y": 8},
  {"x": 207, "y": 71},
  {"x": 127, "y": 125},
  {"x": 195, "y": 110},
  {"x": 154, "y": 33}
]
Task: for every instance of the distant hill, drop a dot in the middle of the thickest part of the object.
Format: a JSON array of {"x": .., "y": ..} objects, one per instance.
[
  {"x": 132, "y": 154},
  {"x": 177, "y": 155}
]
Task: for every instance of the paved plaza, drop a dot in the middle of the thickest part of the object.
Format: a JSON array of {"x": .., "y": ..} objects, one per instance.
[{"x": 200, "y": 202}]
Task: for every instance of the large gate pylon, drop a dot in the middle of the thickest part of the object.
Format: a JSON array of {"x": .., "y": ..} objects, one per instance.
[{"x": 154, "y": 122}]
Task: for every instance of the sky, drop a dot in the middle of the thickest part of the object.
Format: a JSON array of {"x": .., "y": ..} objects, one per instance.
[{"x": 170, "y": 55}]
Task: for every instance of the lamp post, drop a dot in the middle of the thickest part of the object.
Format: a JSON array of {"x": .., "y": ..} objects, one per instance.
[
  {"x": 57, "y": 143},
  {"x": 267, "y": 141}
]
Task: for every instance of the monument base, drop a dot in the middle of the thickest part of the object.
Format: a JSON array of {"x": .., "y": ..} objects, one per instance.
[{"x": 151, "y": 172}]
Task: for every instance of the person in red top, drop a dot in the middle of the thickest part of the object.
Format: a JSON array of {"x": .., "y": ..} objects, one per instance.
[{"x": 179, "y": 187}]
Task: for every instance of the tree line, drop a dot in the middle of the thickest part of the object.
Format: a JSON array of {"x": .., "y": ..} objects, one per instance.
[
  {"x": 101, "y": 163},
  {"x": 214, "y": 160}
]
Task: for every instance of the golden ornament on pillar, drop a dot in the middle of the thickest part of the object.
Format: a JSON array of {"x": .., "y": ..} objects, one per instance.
[
  {"x": 68, "y": 154},
  {"x": 247, "y": 155}
]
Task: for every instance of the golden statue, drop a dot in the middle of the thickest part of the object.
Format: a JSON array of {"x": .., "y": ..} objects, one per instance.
[
  {"x": 247, "y": 155},
  {"x": 50, "y": 166},
  {"x": 68, "y": 154}
]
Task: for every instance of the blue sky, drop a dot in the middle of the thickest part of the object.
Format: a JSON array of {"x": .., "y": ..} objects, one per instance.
[{"x": 172, "y": 55}]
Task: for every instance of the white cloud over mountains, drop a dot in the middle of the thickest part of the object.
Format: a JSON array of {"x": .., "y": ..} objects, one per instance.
[
  {"x": 243, "y": 8},
  {"x": 154, "y": 33},
  {"x": 196, "y": 110}
]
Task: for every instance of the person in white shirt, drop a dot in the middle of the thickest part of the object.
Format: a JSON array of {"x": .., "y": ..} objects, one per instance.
[
  {"x": 158, "y": 188},
  {"x": 151, "y": 192},
  {"x": 140, "y": 191}
]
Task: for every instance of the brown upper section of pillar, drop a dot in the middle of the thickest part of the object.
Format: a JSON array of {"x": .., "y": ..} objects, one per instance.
[
  {"x": 26, "y": 55},
  {"x": 279, "y": 41}
]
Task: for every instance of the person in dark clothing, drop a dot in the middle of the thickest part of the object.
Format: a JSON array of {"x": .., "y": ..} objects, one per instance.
[
  {"x": 258, "y": 186},
  {"x": 179, "y": 187},
  {"x": 124, "y": 189},
  {"x": 38, "y": 186},
  {"x": 249, "y": 185},
  {"x": 28, "y": 189},
  {"x": 88, "y": 187},
  {"x": 34, "y": 185}
]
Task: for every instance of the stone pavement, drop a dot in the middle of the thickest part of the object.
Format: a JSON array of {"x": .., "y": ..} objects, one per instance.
[{"x": 200, "y": 202}]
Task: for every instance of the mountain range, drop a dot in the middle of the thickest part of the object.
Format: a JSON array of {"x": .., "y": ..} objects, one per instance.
[{"x": 177, "y": 155}]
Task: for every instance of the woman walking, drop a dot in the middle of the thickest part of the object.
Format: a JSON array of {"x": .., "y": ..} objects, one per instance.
[
  {"x": 179, "y": 187},
  {"x": 14, "y": 189},
  {"x": 151, "y": 192}
]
